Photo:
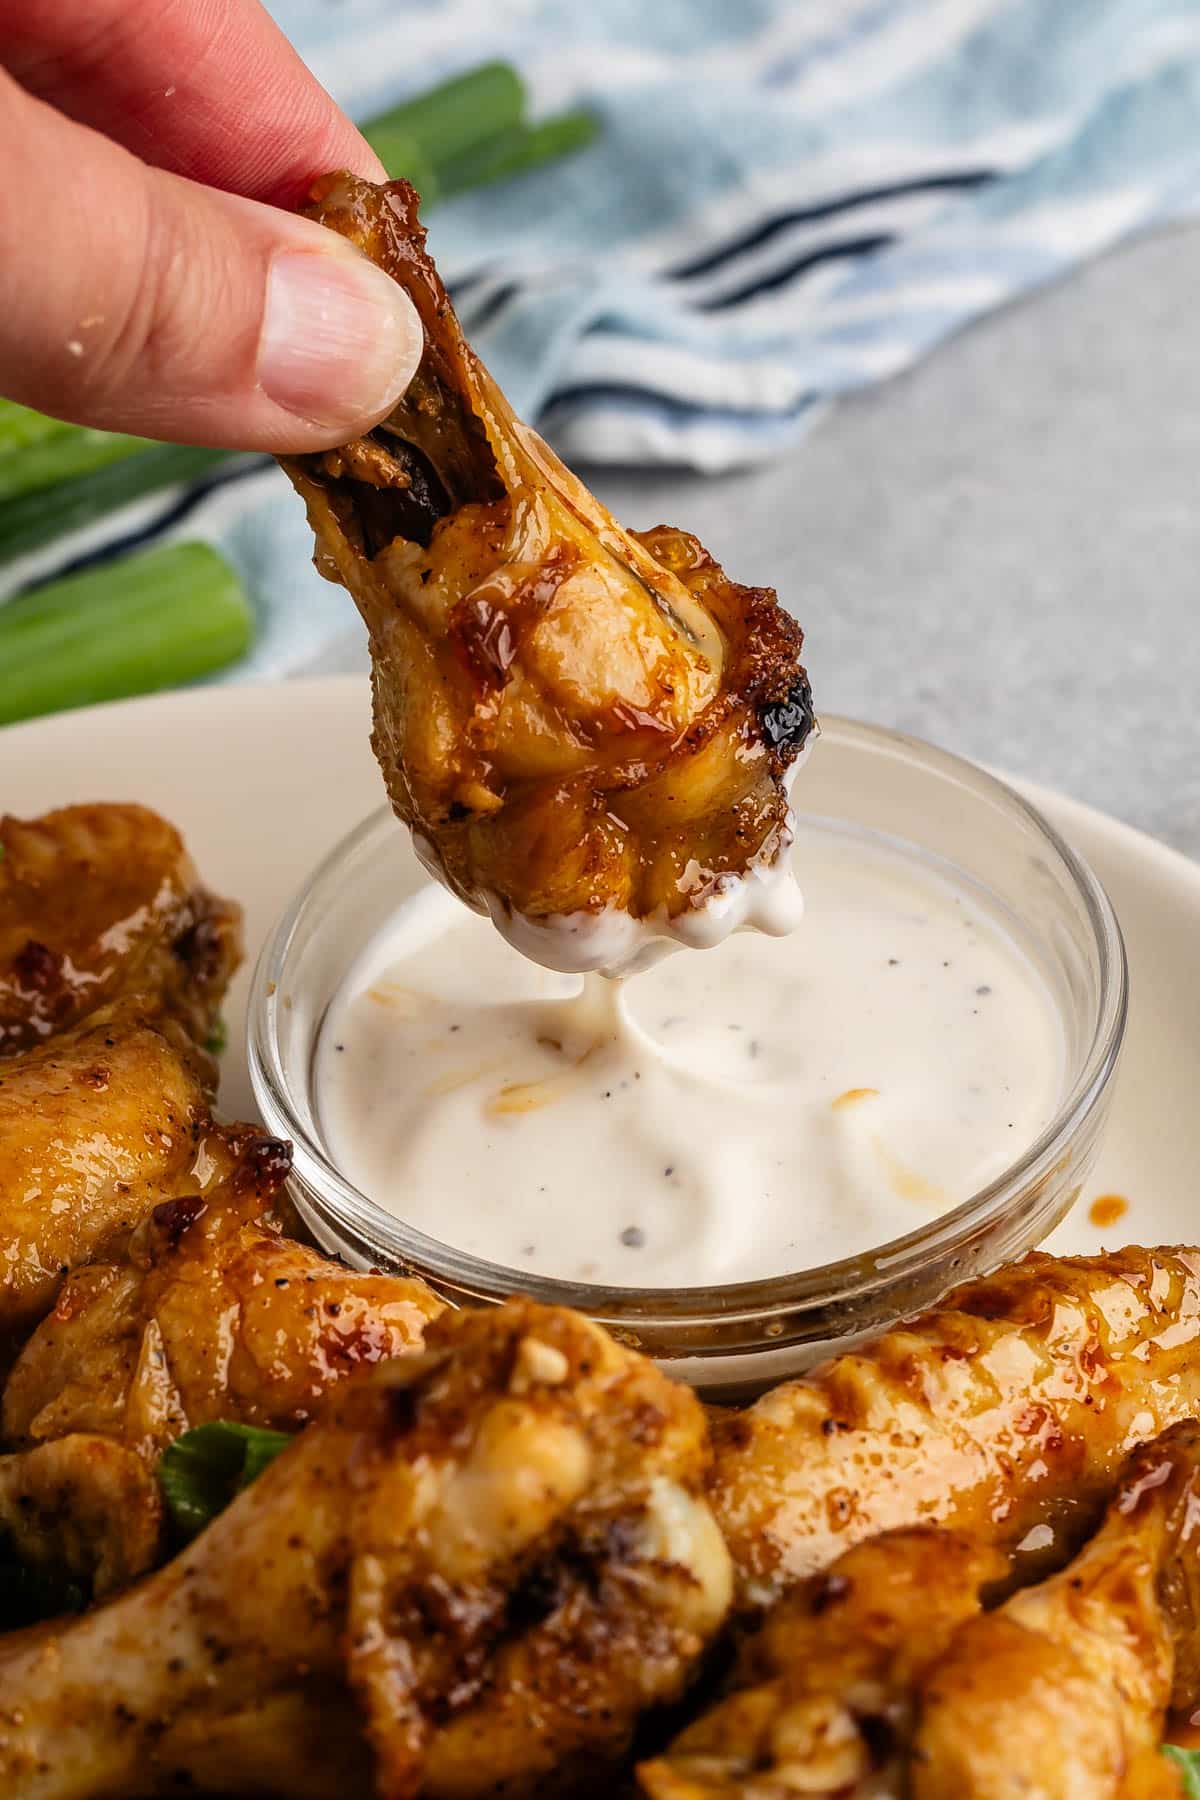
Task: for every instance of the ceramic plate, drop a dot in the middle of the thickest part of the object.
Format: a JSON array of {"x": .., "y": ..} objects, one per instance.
[{"x": 263, "y": 781}]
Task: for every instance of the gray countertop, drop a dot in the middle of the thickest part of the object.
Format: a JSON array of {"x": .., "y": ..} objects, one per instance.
[{"x": 999, "y": 550}]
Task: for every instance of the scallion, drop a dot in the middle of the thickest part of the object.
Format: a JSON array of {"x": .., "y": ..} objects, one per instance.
[
  {"x": 451, "y": 118},
  {"x": 202, "y": 1471},
  {"x": 515, "y": 151},
  {"x": 27, "y": 521},
  {"x": 37, "y": 452},
  {"x": 130, "y": 626},
  {"x": 1188, "y": 1764}
]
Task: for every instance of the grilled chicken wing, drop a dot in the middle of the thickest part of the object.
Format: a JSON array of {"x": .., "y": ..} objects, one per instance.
[
  {"x": 499, "y": 1548},
  {"x": 96, "y": 901},
  {"x": 575, "y": 720},
  {"x": 207, "y": 1312},
  {"x": 824, "y": 1692},
  {"x": 97, "y": 1125},
  {"x": 1011, "y": 1406},
  {"x": 1061, "y": 1694},
  {"x": 84, "y": 1509}
]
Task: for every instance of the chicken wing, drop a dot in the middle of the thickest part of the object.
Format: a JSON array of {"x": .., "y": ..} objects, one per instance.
[
  {"x": 207, "y": 1312},
  {"x": 824, "y": 1694},
  {"x": 96, "y": 901},
  {"x": 1004, "y": 1414},
  {"x": 97, "y": 1125},
  {"x": 582, "y": 725},
  {"x": 498, "y": 1547},
  {"x": 83, "y": 1509},
  {"x": 1061, "y": 1694}
]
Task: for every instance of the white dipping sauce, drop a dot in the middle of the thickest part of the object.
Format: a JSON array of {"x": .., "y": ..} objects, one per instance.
[{"x": 731, "y": 1113}]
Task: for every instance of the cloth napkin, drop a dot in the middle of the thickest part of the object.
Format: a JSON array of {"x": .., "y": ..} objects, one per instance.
[{"x": 789, "y": 199}]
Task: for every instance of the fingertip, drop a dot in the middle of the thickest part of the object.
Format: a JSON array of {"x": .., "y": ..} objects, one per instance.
[{"x": 340, "y": 343}]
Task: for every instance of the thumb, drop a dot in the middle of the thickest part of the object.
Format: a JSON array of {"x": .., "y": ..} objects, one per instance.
[{"x": 138, "y": 301}]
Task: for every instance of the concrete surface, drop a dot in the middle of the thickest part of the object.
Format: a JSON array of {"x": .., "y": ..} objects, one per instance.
[{"x": 999, "y": 551}]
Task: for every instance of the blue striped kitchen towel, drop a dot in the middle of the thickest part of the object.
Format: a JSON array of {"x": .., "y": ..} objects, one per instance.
[{"x": 789, "y": 199}]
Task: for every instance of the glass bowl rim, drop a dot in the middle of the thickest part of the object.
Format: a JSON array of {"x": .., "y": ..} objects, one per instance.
[{"x": 848, "y": 1278}]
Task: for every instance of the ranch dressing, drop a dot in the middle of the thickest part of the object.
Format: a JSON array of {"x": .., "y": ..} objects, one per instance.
[{"x": 740, "y": 1112}]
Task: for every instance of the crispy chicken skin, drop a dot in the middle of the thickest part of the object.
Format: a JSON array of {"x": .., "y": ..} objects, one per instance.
[
  {"x": 499, "y": 1548},
  {"x": 207, "y": 1312},
  {"x": 96, "y": 901},
  {"x": 823, "y": 1700},
  {"x": 571, "y": 717},
  {"x": 97, "y": 1125},
  {"x": 1012, "y": 1405},
  {"x": 1061, "y": 1694}
]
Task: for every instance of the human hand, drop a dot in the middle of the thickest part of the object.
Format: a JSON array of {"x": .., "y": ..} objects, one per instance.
[{"x": 148, "y": 282}]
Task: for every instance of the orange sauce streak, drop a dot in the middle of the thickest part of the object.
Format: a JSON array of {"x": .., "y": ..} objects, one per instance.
[{"x": 852, "y": 1096}]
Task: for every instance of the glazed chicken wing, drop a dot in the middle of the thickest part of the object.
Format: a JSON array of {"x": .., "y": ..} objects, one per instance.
[
  {"x": 1062, "y": 1693},
  {"x": 1011, "y": 1406},
  {"x": 576, "y": 721},
  {"x": 884, "y": 1677},
  {"x": 484, "y": 1560},
  {"x": 824, "y": 1694},
  {"x": 84, "y": 1510},
  {"x": 207, "y": 1312},
  {"x": 113, "y": 962},
  {"x": 96, "y": 901},
  {"x": 97, "y": 1125}
]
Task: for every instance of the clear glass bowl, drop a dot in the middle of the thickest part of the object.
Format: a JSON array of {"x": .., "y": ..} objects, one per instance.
[{"x": 731, "y": 1341}]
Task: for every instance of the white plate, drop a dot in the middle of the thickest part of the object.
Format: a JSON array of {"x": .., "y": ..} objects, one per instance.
[{"x": 263, "y": 781}]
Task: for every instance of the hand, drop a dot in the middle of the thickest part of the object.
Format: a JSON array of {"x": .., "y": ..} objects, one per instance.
[{"x": 148, "y": 282}]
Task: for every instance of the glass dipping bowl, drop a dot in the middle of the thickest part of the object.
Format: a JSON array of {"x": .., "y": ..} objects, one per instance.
[{"x": 733, "y": 1341}]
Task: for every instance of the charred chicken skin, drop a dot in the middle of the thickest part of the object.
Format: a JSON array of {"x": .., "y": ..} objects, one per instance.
[
  {"x": 477, "y": 1568},
  {"x": 1013, "y": 1405},
  {"x": 574, "y": 719},
  {"x": 208, "y": 1312}
]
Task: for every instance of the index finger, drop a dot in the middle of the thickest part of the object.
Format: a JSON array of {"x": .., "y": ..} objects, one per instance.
[{"x": 210, "y": 89}]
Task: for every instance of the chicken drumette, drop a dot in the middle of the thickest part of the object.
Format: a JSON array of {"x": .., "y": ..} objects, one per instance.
[
  {"x": 469, "y": 1576},
  {"x": 824, "y": 1695},
  {"x": 97, "y": 901},
  {"x": 1009, "y": 1407},
  {"x": 1062, "y": 1693},
  {"x": 883, "y": 1677},
  {"x": 207, "y": 1312},
  {"x": 113, "y": 962},
  {"x": 578, "y": 722}
]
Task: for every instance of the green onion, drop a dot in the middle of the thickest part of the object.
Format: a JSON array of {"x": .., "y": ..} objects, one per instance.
[
  {"x": 218, "y": 1038},
  {"x": 130, "y": 626},
  {"x": 201, "y": 1472},
  {"x": 1188, "y": 1764},
  {"x": 448, "y": 119},
  {"x": 21, "y": 426},
  {"x": 513, "y": 152},
  {"x": 37, "y": 452},
  {"x": 28, "y": 521}
]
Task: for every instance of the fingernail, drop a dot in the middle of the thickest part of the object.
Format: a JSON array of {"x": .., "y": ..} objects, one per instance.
[{"x": 340, "y": 341}]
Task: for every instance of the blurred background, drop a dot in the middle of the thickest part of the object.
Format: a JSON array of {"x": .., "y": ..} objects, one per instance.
[{"x": 892, "y": 302}]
